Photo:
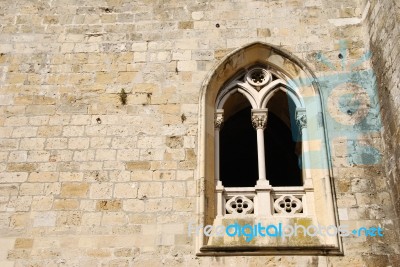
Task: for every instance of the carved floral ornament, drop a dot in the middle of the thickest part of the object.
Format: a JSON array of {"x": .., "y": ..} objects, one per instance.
[
  {"x": 239, "y": 205},
  {"x": 288, "y": 204},
  {"x": 219, "y": 119},
  {"x": 258, "y": 77},
  {"x": 259, "y": 120},
  {"x": 301, "y": 119}
]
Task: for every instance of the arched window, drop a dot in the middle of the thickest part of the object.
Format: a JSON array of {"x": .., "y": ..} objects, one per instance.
[
  {"x": 263, "y": 156},
  {"x": 238, "y": 140},
  {"x": 242, "y": 155}
]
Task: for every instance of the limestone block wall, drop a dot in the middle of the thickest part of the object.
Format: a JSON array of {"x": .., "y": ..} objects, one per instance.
[
  {"x": 86, "y": 180},
  {"x": 383, "y": 25}
]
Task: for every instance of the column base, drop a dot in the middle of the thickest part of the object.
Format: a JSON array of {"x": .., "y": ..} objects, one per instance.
[{"x": 263, "y": 184}]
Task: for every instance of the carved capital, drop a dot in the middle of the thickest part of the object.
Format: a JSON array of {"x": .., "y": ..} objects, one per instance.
[
  {"x": 259, "y": 121},
  {"x": 219, "y": 119},
  {"x": 301, "y": 119},
  {"x": 259, "y": 118}
]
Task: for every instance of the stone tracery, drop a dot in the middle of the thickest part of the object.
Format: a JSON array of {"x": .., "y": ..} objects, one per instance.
[{"x": 258, "y": 85}]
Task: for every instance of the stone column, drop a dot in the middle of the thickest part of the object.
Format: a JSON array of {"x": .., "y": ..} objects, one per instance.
[
  {"x": 219, "y": 119},
  {"x": 263, "y": 189},
  {"x": 301, "y": 121},
  {"x": 259, "y": 119}
]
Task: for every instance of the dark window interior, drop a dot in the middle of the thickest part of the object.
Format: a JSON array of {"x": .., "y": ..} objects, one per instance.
[
  {"x": 238, "y": 147},
  {"x": 281, "y": 161},
  {"x": 238, "y": 151}
]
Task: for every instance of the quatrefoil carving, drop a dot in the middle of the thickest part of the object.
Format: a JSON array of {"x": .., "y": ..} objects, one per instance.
[
  {"x": 288, "y": 204},
  {"x": 239, "y": 205}
]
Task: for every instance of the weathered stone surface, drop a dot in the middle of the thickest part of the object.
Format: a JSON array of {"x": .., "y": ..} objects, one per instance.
[
  {"x": 110, "y": 205},
  {"x": 23, "y": 243},
  {"x": 383, "y": 25}
]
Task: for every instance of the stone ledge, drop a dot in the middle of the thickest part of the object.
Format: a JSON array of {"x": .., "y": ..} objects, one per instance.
[{"x": 212, "y": 251}]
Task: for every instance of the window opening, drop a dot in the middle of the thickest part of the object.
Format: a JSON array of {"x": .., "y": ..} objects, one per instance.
[
  {"x": 282, "y": 143},
  {"x": 238, "y": 146}
]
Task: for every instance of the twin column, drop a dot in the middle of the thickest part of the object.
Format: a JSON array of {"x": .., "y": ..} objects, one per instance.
[
  {"x": 259, "y": 119},
  {"x": 263, "y": 189}
]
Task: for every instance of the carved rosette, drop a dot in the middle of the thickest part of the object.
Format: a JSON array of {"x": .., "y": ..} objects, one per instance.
[
  {"x": 259, "y": 120},
  {"x": 258, "y": 77}
]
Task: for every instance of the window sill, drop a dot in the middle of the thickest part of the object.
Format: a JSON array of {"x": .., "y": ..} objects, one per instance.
[{"x": 265, "y": 251}]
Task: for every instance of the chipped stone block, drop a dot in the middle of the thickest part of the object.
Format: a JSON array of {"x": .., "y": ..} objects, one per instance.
[
  {"x": 69, "y": 218},
  {"x": 108, "y": 205}
]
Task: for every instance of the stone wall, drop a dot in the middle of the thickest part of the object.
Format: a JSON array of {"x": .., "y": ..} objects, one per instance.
[
  {"x": 383, "y": 25},
  {"x": 86, "y": 180}
]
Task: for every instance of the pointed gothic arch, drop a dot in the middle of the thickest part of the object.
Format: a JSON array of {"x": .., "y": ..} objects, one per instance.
[{"x": 295, "y": 79}]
